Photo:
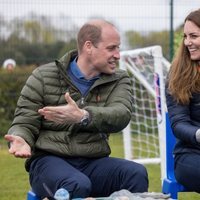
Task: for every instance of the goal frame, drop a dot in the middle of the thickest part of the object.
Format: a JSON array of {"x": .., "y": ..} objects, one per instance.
[{"x": 158, "y": 92}]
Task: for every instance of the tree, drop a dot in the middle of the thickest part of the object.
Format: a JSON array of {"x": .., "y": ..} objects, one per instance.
[{"x": 139, "y": 40}]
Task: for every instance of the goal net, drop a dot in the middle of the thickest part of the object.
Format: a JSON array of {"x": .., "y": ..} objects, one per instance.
[{"x": 144, "y": 139}]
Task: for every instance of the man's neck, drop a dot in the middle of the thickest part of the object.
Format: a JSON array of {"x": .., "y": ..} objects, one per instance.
[{"x": 86, "y": 68}]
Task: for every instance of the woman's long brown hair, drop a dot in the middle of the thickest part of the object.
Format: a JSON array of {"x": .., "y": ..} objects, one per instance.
[{"x": 184, "y": 74}]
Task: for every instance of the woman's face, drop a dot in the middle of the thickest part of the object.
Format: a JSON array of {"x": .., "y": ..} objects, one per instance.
[{"x": 192, "y": 40}]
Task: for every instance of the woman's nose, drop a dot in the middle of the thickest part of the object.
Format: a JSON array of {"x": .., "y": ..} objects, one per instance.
[{"x": 188, "y": 41}]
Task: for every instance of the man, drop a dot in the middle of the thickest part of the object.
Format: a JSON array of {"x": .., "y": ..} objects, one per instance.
[{"x": 65, "y": 114}]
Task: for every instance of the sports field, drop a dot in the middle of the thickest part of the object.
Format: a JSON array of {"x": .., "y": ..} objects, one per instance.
[{"x": 14, "y": 180}]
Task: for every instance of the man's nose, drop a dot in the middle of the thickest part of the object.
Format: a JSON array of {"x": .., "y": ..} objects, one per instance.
[{"x": 117, "y": 54}]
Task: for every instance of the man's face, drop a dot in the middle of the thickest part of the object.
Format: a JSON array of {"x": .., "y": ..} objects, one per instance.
[{"x": 106, "y": 54}]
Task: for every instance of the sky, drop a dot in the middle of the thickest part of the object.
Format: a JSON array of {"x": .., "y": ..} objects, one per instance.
[{"x": 140, "y": 15}]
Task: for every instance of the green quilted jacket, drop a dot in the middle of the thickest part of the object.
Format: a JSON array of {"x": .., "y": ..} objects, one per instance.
[{"x": 109, "y": 103}]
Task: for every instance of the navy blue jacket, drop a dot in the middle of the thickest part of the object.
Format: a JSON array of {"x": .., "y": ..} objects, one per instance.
[{"x": 185, "y": 121}]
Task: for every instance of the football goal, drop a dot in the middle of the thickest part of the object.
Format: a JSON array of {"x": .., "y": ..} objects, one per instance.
[{"x": 144, "y": 137}]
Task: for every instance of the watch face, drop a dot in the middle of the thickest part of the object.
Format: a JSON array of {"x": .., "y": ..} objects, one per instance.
[{"x": 85, "y": 121}]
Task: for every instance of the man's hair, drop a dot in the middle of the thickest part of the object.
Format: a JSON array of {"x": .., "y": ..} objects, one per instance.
[
  {"x": 91, "y": 31},
  {"x": 88, "y": 32}
]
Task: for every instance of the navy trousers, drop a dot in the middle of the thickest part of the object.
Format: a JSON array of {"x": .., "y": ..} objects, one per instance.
[
  {"x": 84, "y": 177},
  {"x": 187, "y": 170}
]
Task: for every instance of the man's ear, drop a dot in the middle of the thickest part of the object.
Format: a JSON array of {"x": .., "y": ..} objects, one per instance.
[{"x": 88, "y": 47}]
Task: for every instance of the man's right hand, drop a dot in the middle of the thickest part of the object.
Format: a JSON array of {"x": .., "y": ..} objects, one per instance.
[{"x": 18, "y": 146}]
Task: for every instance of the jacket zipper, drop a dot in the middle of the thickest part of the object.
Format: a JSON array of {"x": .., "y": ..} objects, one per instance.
[{"x": 82, "y": 101}]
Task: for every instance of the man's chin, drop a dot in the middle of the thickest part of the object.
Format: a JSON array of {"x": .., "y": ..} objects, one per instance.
[{"x": 112, "y": 71}]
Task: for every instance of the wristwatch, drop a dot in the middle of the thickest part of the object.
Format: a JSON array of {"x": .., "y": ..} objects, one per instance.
[{"x": 85, "y": 119}]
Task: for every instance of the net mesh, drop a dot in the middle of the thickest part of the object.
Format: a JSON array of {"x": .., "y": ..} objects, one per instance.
[{"x": 143, "y": 128}]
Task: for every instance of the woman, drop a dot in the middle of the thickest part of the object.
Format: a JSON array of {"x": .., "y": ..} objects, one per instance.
[{"x": 183, "y": 102}]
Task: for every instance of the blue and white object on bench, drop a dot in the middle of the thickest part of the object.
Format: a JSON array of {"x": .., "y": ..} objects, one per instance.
[
  {"x": 61, "y": 194},
  {"x": 32, "y": 196}
]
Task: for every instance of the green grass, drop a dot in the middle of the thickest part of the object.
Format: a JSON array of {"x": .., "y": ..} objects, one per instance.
[{"x": 14, "y": 179}]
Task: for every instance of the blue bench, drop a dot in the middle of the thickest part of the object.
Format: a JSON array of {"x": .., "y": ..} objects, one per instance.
[{"x": 170, "y": 184}]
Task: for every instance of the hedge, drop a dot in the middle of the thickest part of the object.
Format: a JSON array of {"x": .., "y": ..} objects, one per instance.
[{"x": 11, "y": 83}]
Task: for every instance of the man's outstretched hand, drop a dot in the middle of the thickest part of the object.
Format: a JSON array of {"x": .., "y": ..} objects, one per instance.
[{"x": 18, "y": 146}]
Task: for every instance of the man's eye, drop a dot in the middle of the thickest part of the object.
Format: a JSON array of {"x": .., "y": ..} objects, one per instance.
[{"x": 113, "y": 48}]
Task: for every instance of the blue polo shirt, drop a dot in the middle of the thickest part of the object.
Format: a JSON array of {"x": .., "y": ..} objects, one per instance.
[{"x": 77, "y": 77}]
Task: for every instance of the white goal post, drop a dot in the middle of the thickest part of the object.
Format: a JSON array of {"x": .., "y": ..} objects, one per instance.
[{"x": 144, "y": 137}]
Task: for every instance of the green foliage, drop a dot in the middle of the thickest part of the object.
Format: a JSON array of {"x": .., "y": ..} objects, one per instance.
[
  {"x": 11, "y": 83},
  {"x": 26, "y": 53},
  {"x": 38, "y": 40},
  {"x": 178, "y": 38},
  {"x": 138, "y": 40},
  {"x": 70, "y": 46}
]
